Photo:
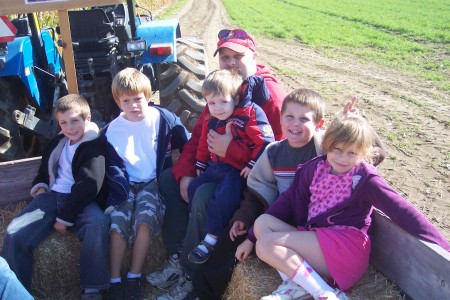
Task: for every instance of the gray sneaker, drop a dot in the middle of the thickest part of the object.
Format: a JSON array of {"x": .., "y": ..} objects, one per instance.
[
  {"x": 179, "y": 291},
  {"x": 168, "y": 275},
  {"x": 288, "y": 290}
]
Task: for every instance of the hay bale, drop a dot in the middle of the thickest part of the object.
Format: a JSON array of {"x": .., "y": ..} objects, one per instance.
[
  {"x": 56, "y": 268},
  {"x": 56, "y": 262},
  {"x": 253, "y": 279}
]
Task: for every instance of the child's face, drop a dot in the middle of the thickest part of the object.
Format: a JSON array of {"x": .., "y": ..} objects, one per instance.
[
  {"x": 135, "y": 107},
  {"x": 298, "y": 124},
  {"x": 343, "y": 158},
  {"x": 220, "y": 106},
  {"x": 72, "y": 124}
]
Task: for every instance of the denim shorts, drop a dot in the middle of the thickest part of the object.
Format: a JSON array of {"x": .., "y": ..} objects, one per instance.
[{"x": 143, "y": 206}]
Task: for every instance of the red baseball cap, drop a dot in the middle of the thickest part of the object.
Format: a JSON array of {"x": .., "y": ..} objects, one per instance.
[{"x": 237, "y": 40}]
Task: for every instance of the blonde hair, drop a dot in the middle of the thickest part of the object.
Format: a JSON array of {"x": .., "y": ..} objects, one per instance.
[
  {"x": 349, "y": 129},
  {"x": 72, "y": 102},
  {"x": 222, "y": 82},
  {"x": 130, "y": 81},
  {"x": 308, "y": 98}
]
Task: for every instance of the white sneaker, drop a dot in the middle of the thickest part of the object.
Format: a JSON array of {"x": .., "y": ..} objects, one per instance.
[
  {"x": 336, "y": 295},
  {"x": 288, "y": 290},
  {"x": 168, "y": 275},
  {"x": 179, "y": 291}
]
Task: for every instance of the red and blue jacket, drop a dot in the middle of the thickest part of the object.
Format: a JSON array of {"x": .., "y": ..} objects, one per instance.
[{"x": 250, "y": 128}]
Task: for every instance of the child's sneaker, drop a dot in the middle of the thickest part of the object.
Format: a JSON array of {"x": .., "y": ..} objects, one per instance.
[
  {"x": 288, "y": 290},
  {"x": 336, "y": 295},
  {"x": 198, "y": 255},
  {"x": 179, "y": 291},
  {"x": 132, "y": 288},
  {"x": 91, "y": 296},
  {"x": 115, "y": 291},
  {"x": 168, "y": 275}
]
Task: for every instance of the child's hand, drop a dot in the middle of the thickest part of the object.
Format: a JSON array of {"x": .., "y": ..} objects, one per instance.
[
  {"x": 61, "y": 228},
  {"x": 350, "y": 107},
  {"x": 238, "y": 228},
  {"x": 244, "y": 250},
  {"x": 245, "y": 172},
  {"x": 199, "y": 172},
  {"x": 184, "y": 184}
]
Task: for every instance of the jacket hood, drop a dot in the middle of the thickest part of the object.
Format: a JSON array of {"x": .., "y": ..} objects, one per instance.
[{"x": 264, "y": 72}]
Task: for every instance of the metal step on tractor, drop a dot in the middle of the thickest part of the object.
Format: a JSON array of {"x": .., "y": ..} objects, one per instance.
[{"x": 105, "y": 39}]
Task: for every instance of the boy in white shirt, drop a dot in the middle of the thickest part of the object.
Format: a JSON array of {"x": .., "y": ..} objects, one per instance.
[{"x": 140, "y": 144}]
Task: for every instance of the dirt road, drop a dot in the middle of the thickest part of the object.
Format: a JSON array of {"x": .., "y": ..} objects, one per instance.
[{"x": 411, "y": 115}]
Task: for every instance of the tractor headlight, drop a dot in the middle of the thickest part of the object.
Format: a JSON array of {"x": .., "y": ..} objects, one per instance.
[{"x": 136, "y": 45}]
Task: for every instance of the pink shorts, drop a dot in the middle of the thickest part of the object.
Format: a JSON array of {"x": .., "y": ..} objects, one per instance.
[{"x": 346, "y": 252}]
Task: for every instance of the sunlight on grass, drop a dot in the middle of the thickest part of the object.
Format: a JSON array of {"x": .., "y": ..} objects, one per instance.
[
  {"x": 287, "y": 71},
  {"x": 411, "y": 37},
  {"x": 172, "y": 10}
]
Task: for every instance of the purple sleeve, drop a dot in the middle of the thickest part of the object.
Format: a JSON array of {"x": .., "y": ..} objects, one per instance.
[{"x": 403, "y": 213}]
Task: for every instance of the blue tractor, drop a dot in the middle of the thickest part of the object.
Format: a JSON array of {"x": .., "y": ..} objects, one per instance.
[{"x": 105, "y": 40}]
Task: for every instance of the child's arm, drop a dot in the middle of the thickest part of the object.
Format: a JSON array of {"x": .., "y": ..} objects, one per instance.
[
  {"x": 203, "y": 155},
  {"x": 379, "y": 147},
  {"x": 262, "y": 180},
  {"x": 180, "y": 135},
  {"x": 41, "y": 182},
  {"x": 403, "y": 213},
  {"x": 244, "y": 250},
  {"x": 244, "y": 217}
]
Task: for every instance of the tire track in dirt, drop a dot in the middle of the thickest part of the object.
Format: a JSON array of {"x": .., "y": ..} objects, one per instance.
[
  {"x": 204, "y": 19},
  {"x": 397, "y": 105}
]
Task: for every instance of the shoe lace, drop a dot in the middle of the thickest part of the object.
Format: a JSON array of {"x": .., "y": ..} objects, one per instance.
[
  {"x": 182, "y": 287},
  {"x": 171, "y": 262}
]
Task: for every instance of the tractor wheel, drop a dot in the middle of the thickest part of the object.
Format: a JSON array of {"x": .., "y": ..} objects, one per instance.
[
  {"x": 11, "y": 146},
  {"x": 15, "y": 142},
  {"x": 181, "y": 82}
]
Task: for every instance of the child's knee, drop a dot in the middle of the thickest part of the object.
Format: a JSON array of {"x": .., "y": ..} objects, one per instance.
[
  {"x": 143, "y": 230},
  {"x": 259, "y": 225},
  {"x": 261, "y": 248}
]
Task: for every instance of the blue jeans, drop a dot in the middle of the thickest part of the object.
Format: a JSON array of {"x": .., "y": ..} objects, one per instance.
[
  {"x": 35, "y": 222},
  {"x": 10, "y": 286},
  {"x": 227, "y": 196}
]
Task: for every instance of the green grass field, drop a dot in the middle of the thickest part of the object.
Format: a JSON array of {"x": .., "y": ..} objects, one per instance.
[{"x": 410, "y": 35}]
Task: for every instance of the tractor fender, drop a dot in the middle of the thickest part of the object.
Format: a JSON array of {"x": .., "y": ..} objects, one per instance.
[
  {"x": 20, "y": 60},
  {"x": 159, "y": 32}
]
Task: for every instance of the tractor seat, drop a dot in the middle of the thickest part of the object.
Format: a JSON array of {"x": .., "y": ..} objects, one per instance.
[{"x": 91, "y": 30}]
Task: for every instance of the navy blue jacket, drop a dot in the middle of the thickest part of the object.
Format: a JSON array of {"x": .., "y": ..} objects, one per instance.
[
  {"x": 172, "y": 135},
  {"x": 88, "y": 169}
]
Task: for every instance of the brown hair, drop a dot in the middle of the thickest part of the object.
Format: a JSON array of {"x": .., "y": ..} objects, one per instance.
[
  {"x": 349, "y": 129},
  {"x": 222, "y": 82},
  {"x": 130, "y": 81},
  {"x": 73, "y": 102},
  {"x": 308, "y": 98}
]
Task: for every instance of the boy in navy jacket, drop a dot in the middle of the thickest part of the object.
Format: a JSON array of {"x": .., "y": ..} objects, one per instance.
[{"x": 65, "y": 191}]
